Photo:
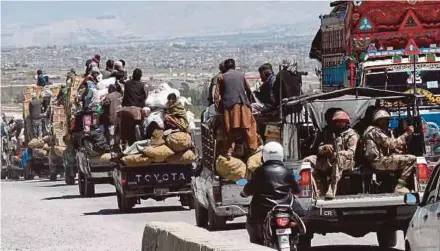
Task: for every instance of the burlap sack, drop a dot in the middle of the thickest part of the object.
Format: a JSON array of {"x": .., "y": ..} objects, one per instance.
[
  {"x": 59, "y": 150},
  {"x": 46, "y": 147},
  {"x": 136, "y": 160},
  {"x": 233, "y": 169},
  {"x": 46, "y": 139},
  {"x": 36, "y": 144},
  {"x": 158, "y": 154},
  {"x": 39, "y": 152},
  {"x": 254, "y": 161},
  {"x": 179, "y": 141},
  {"x": 157, "y": 138},
  {"x": 106, "y": 157},
  {"x": 182, "y": 158}
]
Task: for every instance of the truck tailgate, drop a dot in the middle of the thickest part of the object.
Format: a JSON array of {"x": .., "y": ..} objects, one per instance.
[
  {"x": 362, "y": 200},
  {"x": 231, "y": 195},
  {"x": 159, "y": 174}
]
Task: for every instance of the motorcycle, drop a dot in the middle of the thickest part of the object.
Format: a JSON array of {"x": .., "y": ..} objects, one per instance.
[{"x": 282, "y": 226}]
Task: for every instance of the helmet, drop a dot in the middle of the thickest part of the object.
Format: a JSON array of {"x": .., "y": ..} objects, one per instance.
[
  {"x": 381, "y": 114},
  {"x": 341, "y": 115},
  {"x": 273, "y": 151}
]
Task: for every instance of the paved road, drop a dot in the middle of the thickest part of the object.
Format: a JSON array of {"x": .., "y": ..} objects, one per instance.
[{"x": 45, "y": 215}]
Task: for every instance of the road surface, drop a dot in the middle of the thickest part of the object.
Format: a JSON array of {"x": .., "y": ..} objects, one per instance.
[{"x": 45, "y": 215}]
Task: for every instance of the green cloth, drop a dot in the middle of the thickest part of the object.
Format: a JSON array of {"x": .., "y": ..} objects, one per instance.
[{"x": 178, "y": 113}]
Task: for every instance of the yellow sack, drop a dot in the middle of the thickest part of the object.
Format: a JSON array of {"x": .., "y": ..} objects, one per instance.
[
  {"x": 183, "y": 158},
  {"x": 46, "y": 139},
  {"x": 36, "y": 144},
  {"x": 179, "y": 141},
  {"x": 106, "y": 157},
  {"x": 158, "y": 154},
  {"x": 59, "y": 150},
  {"x": 233, "y": 169},
  {"x": 136, "y": 160},
  {"x": 46, "y": 147},
  {"x": 254, "y": 161},
  {"x": 39, "y": 152},
  {"x": 157, "y": 138}
]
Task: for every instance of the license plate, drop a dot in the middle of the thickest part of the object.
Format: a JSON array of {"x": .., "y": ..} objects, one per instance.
[
  {"x": 281, "y": 231},
  {"x": 161, "y": 191},
  {"x": 428, "y": 149}
]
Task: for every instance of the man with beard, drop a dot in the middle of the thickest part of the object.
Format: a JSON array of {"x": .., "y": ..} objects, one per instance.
[{"x": 335, "y": 154}]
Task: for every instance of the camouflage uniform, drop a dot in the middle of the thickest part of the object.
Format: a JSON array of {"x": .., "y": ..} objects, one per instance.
[
  {"x": 383, "y": 152},
  {"x": 342, "y": 159}
]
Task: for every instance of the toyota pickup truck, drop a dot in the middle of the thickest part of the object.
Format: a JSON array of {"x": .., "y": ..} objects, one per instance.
[{"x": 156, "y": 181}]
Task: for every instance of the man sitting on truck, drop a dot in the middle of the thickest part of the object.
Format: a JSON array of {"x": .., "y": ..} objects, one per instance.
[
  {"x": 335, "y": 154},
  {"x": 384, "y": 152},
  {"x": 175, "y": 114},
  {"x": 232, "y": 100}
]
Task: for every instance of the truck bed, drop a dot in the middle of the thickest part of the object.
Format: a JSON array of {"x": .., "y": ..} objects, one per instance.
[
  {"x": 361, "y": 200},
  {"x": 158, "y": 174}
]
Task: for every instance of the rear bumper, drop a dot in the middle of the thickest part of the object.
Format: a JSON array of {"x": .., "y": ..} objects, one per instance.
[
  {"x": 358, "y": 221},
  {"x": 232, "y": 210},
  {"x": 148, "y": 191}
]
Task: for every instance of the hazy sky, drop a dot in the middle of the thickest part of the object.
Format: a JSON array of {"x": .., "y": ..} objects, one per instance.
[{"x": 33, "y": 20}]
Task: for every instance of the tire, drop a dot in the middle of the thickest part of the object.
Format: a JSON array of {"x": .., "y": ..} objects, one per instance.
[
  {"x": 69, "y": 180},
  {"x": 305, "y": 243},
  {"x": 89, "y": 189},
  {"x": 215, "y": 222},
  {"x": 201, "y": 214},
  {"x": 187, "y": 201},
  {"x": 407, "y": 246},
  {"x": 387, "y": 238},
  {"x": 28, "y": 174},
  {"x": 81, "y": 184},
  {"x": 125, "y": 204},
  {"x": 53, "y": 176},
  {"x": 4, "y": 174}
]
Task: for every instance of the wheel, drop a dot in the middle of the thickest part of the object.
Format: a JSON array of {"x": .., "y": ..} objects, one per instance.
[
  {"x": 407, "y": 246},
  {"x": 201, "y": 214},
  {"x": 81, "y": 185},
  {"x": 187, "y": 201},
  {"x": 70, "y": 180},
  {"x": 215, "y": 222},
  {"x": 89, "y": 189},
  {"x": 125, "y": 204},
  {"x": 4, "y": 173},
  {"x": 387, "y": 238},
  {"x": 53, "y": 177},
  {"x": 305, "y": 243},
  {"x": 28, "y": 173}
]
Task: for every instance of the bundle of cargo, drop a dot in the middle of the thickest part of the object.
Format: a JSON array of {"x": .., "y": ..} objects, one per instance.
[
  {"x": 40, "y": 147},
  {"x": 174, "y": 148}
]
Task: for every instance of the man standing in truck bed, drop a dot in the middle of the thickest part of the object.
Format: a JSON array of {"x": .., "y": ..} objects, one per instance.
[
  {"x": 231, "y": 99},
  {"x": 35, "y": 115},
  {"x": 383, "y": 152}
]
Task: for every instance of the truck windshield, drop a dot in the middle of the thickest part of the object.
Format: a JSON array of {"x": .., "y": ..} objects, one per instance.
[{"x": 428, "y": 79}]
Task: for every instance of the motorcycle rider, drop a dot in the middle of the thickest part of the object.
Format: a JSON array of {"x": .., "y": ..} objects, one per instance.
[{"x": 271, "y": 184}]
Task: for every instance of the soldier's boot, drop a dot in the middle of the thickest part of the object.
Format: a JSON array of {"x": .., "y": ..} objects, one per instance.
[
  {"x": 401, "y": 187},
  {"x": 331, "y": 192}
]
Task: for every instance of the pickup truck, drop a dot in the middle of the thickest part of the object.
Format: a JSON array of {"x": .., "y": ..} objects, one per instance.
[
  {"x": 156, "y": 181},
  {"x": 216, "y": 200},
  {"x": 91, "y": 171}
]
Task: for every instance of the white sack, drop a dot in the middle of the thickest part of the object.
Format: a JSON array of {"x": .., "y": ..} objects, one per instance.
[
  {"x": 156, "y": 116},
  {"x": 158, "y": 97},
  {"x": 105, "y": 83},
  {"x": 209, "y": 113},
  {"x": 190, "y": 117},
  {"x": 99, "y": 95}
]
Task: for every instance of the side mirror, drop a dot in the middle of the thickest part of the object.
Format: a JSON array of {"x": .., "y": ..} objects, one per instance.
[
  {"x": 412, "y": 199},
  {"x": 241, "y": 182}
]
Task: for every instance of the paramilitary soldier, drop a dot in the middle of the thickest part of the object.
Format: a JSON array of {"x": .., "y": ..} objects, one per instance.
[
  {"x": 335, "y": 154},
  {"x": 385, "y": 152}
]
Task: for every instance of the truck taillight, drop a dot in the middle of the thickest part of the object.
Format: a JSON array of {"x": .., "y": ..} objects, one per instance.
[
  {"x": 423, "y": 173},
  {"x": 124, "y": 178},
  {"x": 216, "y": 189},
  {"x": 305, "y": 183}
]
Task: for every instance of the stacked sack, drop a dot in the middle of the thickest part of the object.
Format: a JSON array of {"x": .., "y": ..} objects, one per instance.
[
  {"x": 40, "y": 147},
  {"x": 176, "y": 149},
  {"x": 234, "y": 169}
]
